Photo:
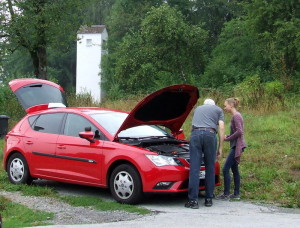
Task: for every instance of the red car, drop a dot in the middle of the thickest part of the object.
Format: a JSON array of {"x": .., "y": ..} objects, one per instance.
[{"x": 129, "y": 153}]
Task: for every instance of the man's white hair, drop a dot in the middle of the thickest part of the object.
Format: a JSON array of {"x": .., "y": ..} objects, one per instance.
[{"x": 209, "y": 101}]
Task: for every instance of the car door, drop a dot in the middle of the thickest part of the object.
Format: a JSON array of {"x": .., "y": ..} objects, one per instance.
[
  {"x": 40, "y": 141},
  {"x": 78, "y": 160}
]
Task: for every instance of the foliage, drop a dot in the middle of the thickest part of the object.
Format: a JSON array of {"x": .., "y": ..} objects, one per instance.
[
  {"x": 251, "y": 91},
  {"x": 277, "y": 22},
  {"x": 265, "y": 41},
  {"x": 165, "y": 51},
  {"x": 97, "y": 12},
  {"x": 217, "y": 42},
  {"x": 234, "y": 58},
  {"x": 9, "y": 104},
  {"x": 35, "y": 25},
  {"x": 254, "y": 93},
  {"x": 212, "y": 14}
]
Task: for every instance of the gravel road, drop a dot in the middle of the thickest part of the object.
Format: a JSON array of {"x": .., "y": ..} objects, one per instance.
[
  {"x": 67, "y": 214},
  {"x": 168, "y": 211}
]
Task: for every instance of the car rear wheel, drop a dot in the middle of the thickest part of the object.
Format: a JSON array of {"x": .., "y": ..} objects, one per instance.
[
  {"x": 17, "y": 170},
  {"x": 126, "y": 185}
]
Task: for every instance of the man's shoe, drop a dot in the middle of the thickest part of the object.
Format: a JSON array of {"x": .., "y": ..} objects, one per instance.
[
  {"x": 208, "y": 202},
  {"x": 192, "y": 204},
  {"x": 223, "y": 197},
  {"x": 234, "y": 197}
]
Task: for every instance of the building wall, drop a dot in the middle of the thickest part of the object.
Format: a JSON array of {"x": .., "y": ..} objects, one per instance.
[{"x": 89, "y": 51}]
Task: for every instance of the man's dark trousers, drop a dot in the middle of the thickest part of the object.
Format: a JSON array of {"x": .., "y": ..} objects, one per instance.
[{"x": 202, "y": 142}]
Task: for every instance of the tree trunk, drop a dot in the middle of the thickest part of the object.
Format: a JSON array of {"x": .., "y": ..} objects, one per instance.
[
  {"x": 35, "y": 62},
  {"x": 42, "y": 56},
  {"x": 39, "y": 61}
]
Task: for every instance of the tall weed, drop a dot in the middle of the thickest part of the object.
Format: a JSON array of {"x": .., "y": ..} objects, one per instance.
[{"x": 261, "y": 97}]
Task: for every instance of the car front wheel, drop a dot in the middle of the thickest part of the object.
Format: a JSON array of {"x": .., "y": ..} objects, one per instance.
[
  {"x": 17, "y": 170},
  {"x": 126, "y": 185}
]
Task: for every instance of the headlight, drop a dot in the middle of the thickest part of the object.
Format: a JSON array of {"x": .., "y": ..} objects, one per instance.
[{"x": 160, "y": 160}]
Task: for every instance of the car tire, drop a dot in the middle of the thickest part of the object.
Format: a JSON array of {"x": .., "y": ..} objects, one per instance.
[
  {"x": 125, "y": 184},
  {"x": 17, "y": 170}
]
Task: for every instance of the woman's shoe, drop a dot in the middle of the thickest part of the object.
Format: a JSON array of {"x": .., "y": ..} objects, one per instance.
[
  {"x": 234, "y": 197},
  {"x": 223, "y": 197}
]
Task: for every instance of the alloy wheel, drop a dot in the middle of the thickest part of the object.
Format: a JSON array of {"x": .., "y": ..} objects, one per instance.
[
  {"x": 123, "y": 185},
  {"x": 17, "y": 169}
]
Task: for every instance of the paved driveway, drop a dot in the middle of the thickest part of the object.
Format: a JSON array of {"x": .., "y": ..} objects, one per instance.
[{"x": 172, "y": 213}]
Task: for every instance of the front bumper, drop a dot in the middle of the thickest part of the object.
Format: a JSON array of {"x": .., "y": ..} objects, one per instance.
[{"x": 173, "y": 179}]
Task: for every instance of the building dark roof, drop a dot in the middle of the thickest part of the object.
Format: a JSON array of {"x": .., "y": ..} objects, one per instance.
[{"x": 91, "y": 29}]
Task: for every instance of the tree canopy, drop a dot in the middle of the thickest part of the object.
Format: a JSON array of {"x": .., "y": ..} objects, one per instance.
[
  {"x": 153, "y": 43},
  {"x": 35, "y": 25}
]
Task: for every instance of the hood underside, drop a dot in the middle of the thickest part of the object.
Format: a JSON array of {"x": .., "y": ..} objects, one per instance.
[{"x": 168, "y": 107}]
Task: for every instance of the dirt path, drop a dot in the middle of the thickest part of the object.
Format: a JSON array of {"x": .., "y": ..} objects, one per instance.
[{"x": 65, "y": 213}]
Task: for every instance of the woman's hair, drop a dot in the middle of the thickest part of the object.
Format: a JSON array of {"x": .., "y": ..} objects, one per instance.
[{"x": 233, "y": 101}]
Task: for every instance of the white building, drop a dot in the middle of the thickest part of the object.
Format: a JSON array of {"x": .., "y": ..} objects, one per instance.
[{"x": 90, "y": 42}]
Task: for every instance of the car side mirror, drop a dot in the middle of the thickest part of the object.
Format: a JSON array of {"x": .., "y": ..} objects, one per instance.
[{"x": 88, "y": 134}]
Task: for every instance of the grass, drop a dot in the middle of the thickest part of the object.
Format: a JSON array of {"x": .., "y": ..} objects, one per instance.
[
  {"x": 270, "y": 166},
  {"x": 102, "y": 205},
  {"x": 15, "y": 215}
]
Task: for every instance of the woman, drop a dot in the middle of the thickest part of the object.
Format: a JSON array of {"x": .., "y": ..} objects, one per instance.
[{"x": 237, "y": 146}]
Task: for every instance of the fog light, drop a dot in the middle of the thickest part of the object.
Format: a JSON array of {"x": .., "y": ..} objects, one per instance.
[{"x": 164, "y": 185}]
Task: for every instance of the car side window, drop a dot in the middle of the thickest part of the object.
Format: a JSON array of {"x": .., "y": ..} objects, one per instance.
[
  {"x": 32, "y": 119},
  {"x": 76, "y": 123},
  {"x": 49, "y": 123}
]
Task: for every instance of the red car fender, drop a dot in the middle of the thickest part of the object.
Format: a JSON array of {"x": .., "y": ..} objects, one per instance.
[
  {"x": 13, "y": 149},
  {"x": 112, "y": 159}
]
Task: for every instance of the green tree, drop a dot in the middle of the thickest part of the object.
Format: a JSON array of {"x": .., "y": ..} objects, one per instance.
[
  {"x": 97, "y": 12},
  {"x": 264, "y": 42},
  {"x": 235, "y": 57},
  {"x": 35, "y": 25},
  {"x": 165, "y": 51},
  {"x": 277, "y": 24},
  {"x": 213, "y": 14}
]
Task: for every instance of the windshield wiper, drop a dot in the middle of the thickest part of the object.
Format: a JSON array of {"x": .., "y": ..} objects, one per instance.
[{"x": 147, "y": 137}]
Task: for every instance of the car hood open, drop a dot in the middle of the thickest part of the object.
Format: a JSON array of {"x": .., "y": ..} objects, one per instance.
[
  {"x": 36, "y": 94},
  {"x": 167, "y": 107}
]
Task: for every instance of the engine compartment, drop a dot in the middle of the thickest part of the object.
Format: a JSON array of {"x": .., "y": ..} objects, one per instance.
[
  {"x": 164, "y": 146},
  {"x": 169, "y": 149}
]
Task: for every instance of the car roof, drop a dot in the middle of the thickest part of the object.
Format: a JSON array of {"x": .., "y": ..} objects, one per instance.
[{"x": 84, "y": 110}]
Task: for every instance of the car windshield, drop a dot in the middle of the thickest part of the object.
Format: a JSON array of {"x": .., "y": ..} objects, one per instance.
[{"x": 112, "y": 121}]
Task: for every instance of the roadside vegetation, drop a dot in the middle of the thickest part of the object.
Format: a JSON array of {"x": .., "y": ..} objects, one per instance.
[
  {"x": 248, "y": 49},
  {"x": 16, "y": 215},
  {"x": 270, "y": 166}
]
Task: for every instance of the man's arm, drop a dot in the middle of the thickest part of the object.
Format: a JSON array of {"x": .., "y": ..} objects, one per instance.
[{"x": 221, "y": 133}]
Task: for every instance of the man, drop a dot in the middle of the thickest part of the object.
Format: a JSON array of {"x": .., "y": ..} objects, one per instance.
[{"x": 207, "y": 120}]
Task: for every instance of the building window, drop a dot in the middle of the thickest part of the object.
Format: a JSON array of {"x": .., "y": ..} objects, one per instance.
[{"x": 89, "y": 42}]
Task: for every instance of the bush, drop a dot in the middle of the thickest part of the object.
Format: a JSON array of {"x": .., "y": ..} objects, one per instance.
[
  {"x": 261, "y": 96},
  {"x": 9, "y": 104},
  {"x": 274, "y": 93},
  {"x": 251, "y": 91}
]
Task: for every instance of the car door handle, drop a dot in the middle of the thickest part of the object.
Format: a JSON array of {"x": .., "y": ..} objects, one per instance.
[
  {"x": 29, "y": 142},
  {"x": 61, "y": 147}
]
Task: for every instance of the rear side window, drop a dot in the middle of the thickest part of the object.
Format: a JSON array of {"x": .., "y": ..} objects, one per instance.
[
  {"x": 32, "y": 119},
  {"x": 49, "y": 123}
]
